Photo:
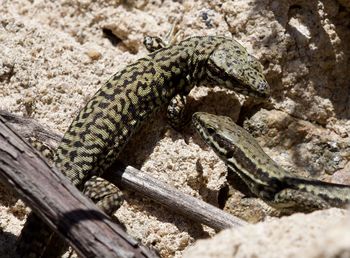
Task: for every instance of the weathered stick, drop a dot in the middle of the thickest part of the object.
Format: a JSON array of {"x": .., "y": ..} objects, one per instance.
[
  {"x": 157, "y": 191},
  {"x": 176, "y": 201},
  {"x": 27, "y": 127},
  {"x": 66, "y": 210}
]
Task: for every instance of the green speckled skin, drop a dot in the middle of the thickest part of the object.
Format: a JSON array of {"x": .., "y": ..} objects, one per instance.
[
  {"x": 103, "y": 127},
  {"x": 266, "y": 179}
]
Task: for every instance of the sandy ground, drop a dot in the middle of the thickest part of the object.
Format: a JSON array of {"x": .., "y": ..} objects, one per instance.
[{"x": 55, "y": 54}]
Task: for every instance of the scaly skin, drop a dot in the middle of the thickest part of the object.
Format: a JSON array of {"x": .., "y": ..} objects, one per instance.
[
  {"x": 103, "y": 127},
  {"x": 266, "y": 179}
]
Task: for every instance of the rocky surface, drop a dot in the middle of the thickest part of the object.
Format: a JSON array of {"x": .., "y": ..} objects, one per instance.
[
  {"x": 55, "y": 54},
  {"x": 319, "y": 234}
]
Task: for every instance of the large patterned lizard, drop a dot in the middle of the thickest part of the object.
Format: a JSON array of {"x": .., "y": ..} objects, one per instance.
[{"x": 103, "y": 127}]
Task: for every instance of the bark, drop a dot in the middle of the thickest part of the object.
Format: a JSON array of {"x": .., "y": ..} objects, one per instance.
[{"x": 66, "y": 210}]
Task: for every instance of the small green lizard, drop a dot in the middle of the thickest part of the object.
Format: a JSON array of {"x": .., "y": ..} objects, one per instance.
[
  {"x": 104, "y": 126},
  {"x": 267, "y": 180}
]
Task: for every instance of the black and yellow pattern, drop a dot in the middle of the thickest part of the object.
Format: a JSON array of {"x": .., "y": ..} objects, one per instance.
[
  {"x": 103, "y": 127},
  {"x": 105, "y": 124}
]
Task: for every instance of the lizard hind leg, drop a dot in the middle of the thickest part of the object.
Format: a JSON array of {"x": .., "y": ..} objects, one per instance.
[
  {"x": 291, "y": 200},
  {"x": 176, "y": 112},
  {"x": 107, "y": 196}
]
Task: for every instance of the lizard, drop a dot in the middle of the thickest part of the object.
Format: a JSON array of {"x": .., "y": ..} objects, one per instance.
[
  {"x": 263, "y": 176},
  {"x": 103, "y": 127}
]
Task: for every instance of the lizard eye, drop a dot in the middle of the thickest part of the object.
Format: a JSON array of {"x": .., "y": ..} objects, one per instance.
[
  {"x": 210, "y": 130},
  {"x": 229, "y": 154}
]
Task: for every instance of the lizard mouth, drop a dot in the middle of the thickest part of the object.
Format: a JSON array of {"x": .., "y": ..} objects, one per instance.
[{"x": 262, "y": 91}]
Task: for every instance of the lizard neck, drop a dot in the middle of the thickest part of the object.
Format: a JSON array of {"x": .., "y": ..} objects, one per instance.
[{"x": 202, "y": 48}]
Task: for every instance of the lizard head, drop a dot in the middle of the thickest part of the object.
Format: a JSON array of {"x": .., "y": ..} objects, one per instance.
[
  {"x": 231, "y": 66},
  {"x": 238, "y": 148},
  {"x": 220, "y": 132},
  {"x": 230, "y": 141}
]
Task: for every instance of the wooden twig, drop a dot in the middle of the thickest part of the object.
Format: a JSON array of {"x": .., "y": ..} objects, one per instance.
[
  {"x": 27, "y": 127},
  {"x": 156, "y": 190},
  {"x": 66, "y": 210},
  {"x": 176, "y": 201}
]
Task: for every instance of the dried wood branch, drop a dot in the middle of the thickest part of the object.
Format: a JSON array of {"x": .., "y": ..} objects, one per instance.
[
  {"x": 66, "y": 210},
  {"x": 176, "y": 201},
  {"x": 27, "y": 127}
]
